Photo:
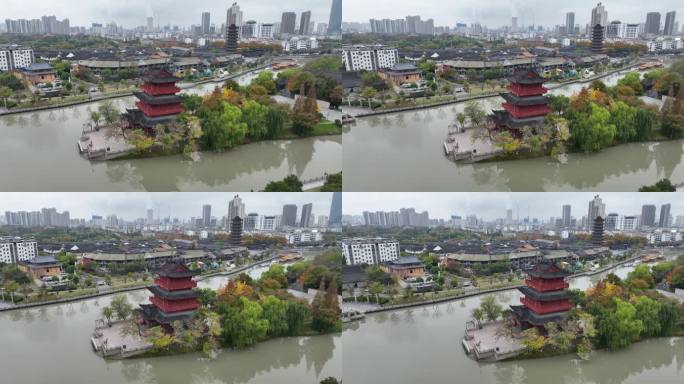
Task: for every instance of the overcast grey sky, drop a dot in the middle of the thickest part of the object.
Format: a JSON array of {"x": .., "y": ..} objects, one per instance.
[
  {"x": 495, "y": 13},
  {"x": 131, "y": 13},
  {"x": 180, "y": 205},
  {"x": 494, "y": 205}
]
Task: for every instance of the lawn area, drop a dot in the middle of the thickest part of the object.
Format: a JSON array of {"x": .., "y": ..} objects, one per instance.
[{"x": 326, "y": 128}]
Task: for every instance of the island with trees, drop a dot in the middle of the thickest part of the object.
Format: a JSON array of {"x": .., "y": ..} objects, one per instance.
[{"x": 245, "y": 311}]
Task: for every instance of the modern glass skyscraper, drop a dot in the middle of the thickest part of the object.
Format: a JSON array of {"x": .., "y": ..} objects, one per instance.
[
  {"x": 335, "y": 219},
  {"x": 335, "y": 24}
]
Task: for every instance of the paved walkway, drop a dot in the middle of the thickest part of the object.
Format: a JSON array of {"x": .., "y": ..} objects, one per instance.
[{"x": 113, "y": 341}]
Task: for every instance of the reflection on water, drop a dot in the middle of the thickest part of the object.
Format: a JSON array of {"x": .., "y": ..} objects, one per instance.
[
  {"x": 411, "y": 144},
  {"x": 51, "y": 345},
  {"x": 41, "y": 155}
]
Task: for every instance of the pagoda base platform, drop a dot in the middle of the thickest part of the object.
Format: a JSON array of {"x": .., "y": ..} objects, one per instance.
[
  {"x": 491, "y": 342},
  {"x": 136, "y": 118}
]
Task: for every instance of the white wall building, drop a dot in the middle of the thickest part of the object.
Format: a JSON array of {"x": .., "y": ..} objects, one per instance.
[
  {"x": 301, "y": 236},
  {"x": 369, "y": 251},
  {"x": 369, "y": 58},
  {"x": 265, "y": 31},
  {"x": 13, "y": 57},
  {"x": 14, "y": 250},
  {"x": 269, "y": 223}
]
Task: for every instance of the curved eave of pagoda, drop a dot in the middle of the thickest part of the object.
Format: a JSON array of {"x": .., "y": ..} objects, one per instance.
[
  {"x": 545, "y": 296},
  {"x": 524, "y": 314},
  {"x": 525, "y": 101},
  {"x": 172, "y": 295},
  {"x": 548, "y": 275},
  {"x": 158, "y": 100}
]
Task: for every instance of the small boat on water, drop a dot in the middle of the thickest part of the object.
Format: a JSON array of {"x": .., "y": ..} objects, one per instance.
[{"x": 353, "y": 315}]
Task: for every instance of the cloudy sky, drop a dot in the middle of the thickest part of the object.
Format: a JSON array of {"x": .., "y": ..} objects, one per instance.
[
  {"x": 181, "y": 205},
  {"x": 131, "y": 13},
  {"x": 496, "y": 13},
  {"x": 494, "y": 205}
]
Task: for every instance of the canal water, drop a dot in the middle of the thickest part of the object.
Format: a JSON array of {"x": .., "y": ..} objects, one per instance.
[
  {"x": 404, "y": 152},
  {"x": 423, "y": 345},
  {"x": 41, "y": 154},
  {"x": 51, "y": 344}
]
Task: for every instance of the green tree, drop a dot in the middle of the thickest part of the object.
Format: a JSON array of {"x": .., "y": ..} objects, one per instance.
[
  {"x": 265, "y": 79},
  {"x": 620, "y": 327},
  {"x": 296, "y": 315},
  {"x": 376, "y": 289},
  {"x": 669, "y": 316},
  {"x": 223, "y": 129},
  {"x": 647, "y": 310},
  {"x": 5, "y": 92},
  {"x": 121, "y": 307},
  {"x": 664, "y": 185},
  {"x": 289, "y": 184},
  {"x": 246, "y": 326},
  {"x": 108, "y": 313},
  {"x": 276, "y": 119},
  {"x": 303, "y": 123},
  {"x": 11, "y": 287},
  {"x": 275, "y": 311},
  {"x": 369, "y": 93},
  {"x": 491, "y": 308},
  {"x": 645, "y": 121},
  {"x": 632, "y": 80},
  {"x": 255, "y": 116},
  {"x": 476, "y": 115},
  {"x": 478, "y": 314},
  {"x": 640, "y": 278},
  {"x": 333, "y": 183},
  {"x": 624, "y": 118},
  {"x": 593, "y": 131}
]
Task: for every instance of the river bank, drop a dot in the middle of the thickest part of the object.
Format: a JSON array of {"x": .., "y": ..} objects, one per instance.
[
  {"x": 58, "y": 336},
  {"x": 95, "y": 99},
  {"x": 490, "y": 95},
  {"x": 493, "y": 290},
  {"x": 413, "y": 141},
  {"x": 375, "y": 347},
  {"x": 138, "y": 287}
]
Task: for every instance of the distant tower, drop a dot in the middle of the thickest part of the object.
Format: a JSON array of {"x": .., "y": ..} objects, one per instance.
[
  {"x": 206, "y": 23},
  {"x": 335, "y": 219},
  {"x": 570, "y": 23},
  {"x": 335, "y": 24},
  {"x": 597, "y": 231},
  {"x": 236, "y": 231},
  {"x": 305, "y": 221},
  {"x": 304, "y": 23},
  {"x": 233, "y": 24},
  {"x": 206, "y": 215},
  {"x": 597, "y": 34}
]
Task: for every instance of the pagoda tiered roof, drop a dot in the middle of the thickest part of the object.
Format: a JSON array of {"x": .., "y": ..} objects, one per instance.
[
  {"x": 503, "y": 118},
  {"x": 527, "y": 77},
  {"x": 172, "y": 295},
  {"x": 160, "y": 77},
  {"x": 548, "y": 270},
  {"x": 151, "y": 312},
  {"x": 158, "y": 100},
  {"x": 545, "y": 296},
  {"x": 138, "y": 118},
  {"x": 524, "y": 314},
  {"x": 525, "y": 101},
  {"x": 176, "y": 270}
]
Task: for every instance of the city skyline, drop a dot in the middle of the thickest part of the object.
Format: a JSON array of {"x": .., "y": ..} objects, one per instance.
[
  {"x": 132, "y": 14},
  {"x": 131, "y": 206},
  {"x": 498, "y": 13},
  {"x": 492, "y": 206}
]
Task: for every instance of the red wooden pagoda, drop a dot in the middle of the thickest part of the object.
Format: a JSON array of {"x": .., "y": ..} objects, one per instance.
[
  {"x": 525, "y": 103},
  {"x": 158, "y": 103},
  {"x": 174, "y": 297},
  {"x": 546, "y": 297}
]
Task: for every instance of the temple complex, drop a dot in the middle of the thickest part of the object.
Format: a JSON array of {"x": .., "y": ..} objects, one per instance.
[
  {"x": 173, "y": 296},
  {"x": 546, "y": 297},
  {"x": 525, "y": 103},
  {"x": 158, "y": 103}
]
